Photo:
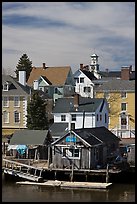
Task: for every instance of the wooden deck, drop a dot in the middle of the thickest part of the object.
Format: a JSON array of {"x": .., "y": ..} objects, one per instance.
[
  {"x": 66, "y": 184},
  {"x": 34, "y": 172}
]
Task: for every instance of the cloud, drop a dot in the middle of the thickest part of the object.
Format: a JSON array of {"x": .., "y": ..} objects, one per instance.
[{"x": 67, "y": 33}]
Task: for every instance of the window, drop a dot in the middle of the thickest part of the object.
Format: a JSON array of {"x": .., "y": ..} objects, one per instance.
[
  {"x": 56, "y": 90},
  {"x": 77, "y": 80},
  {"x": 81, "y": 80},
  {"x": 72, "y": 126},
  {"x": 96, "y": 153},
  {"x": 5, "y": 101},
  {"x": 5, "y": 117},
  {"x": 5, "y": 87},
  {"x": 16, "y": 117},
  {"x": 63, "y": 117},
  {"x": 123, "y": 94},
  {"x": 87, "y": 89},
  {"x": 123, "y": 107},
  {"x": 71, "y": 153},
  {"x": 16, "y": 101},
  {"x": 100, "y": 117},
  {"x": 73, "y": 117}
]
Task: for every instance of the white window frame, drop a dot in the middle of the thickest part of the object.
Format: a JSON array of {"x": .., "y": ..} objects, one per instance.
[
  {"x": 123, "y": 93},
  {"x": 70, "y": 154},
  {"x": 73, "y": 117},
  {"x": 5, "y": 86},
  {"x": 15, "y": 117},
  {"x": 16, "y": 101},
  {"x": 76, "y": 80},
  {"x": 87, "y": 89},
  {"x": 5, "y": 116},
  {"x": 63, "y": 117},
  {"x": 125, "y": 107},
  {"x": 5, "y": 102},
  {"x": 81, "y": 80}
]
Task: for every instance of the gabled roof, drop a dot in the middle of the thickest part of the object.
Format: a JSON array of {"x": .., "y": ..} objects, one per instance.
[
  {"x": 58, "y": 129},
  {"x": 116, "y": 85},
  {"x": 97, "y": 135},
  {"x": 15, "y": 88},
  {"x": 92, "y": 136},
  {"x": 89, "y": 74},
  {"x": 29, "y": 137},
  {"x": 65, "y": 105},
  {"x": 45, "y": 79},
  {"x": 56, "y": 75}
]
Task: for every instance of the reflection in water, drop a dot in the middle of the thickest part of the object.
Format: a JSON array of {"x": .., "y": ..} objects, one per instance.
[{"x": 12, "y": 192}]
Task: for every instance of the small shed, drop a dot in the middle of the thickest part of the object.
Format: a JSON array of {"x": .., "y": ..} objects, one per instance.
[
  {"x": 30, "y": 144},
  {"x": 87, "y": 148}
]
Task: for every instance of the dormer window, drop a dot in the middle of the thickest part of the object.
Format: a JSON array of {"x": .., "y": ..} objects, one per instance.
[{"x": 5, "y": 87}]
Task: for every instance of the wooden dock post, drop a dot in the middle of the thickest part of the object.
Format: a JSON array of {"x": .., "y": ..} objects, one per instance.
[
  {"x": 107, "y": 173},
  {"x": 72, "y": 172}
]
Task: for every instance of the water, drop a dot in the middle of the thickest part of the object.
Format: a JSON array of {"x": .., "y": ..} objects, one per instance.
[{"x": 12, "y": 192}]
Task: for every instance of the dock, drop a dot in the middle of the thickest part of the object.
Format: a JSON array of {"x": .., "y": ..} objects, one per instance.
[{"x": 66, "y": 184}]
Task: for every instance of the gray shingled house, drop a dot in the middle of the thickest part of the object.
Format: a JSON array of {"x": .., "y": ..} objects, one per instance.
[
  {"x": 30, "y": 144},
  {"x": 87, "y": 148}
]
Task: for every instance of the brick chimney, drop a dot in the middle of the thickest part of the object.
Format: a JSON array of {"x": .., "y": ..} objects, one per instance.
[
  {"x": 76, "y": 101},
  {"x": 44, "y": 65},
  {"x": 125, "y": 72},
  {"x": 81, "y": 66}
]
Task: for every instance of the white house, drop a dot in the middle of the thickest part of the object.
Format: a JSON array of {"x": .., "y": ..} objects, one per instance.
[
  {"x": 83, "y": 82},
  {"x": 81, "y": 112}
]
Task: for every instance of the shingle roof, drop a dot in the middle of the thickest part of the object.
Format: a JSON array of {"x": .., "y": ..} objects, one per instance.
[
  {"x": 15, "y": 87},
  {"x": 97, "y": 135},
  {"x": 93, "y": 136},
  {"x": 65, "y": 105},
  {"x": 116, "y": 85},
  {"x": 29, "y": 137},
  {"x": 56, "y": 75},
  {"x": 58, "y": 129}
]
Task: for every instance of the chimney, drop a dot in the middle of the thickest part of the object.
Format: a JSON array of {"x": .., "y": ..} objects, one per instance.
[
  {"x": 35, "y": 85},
  {"x": 81, "y": 66},
  {"x": 125, "y": 72},
  {"x": 76, "y": 101},
  {"x": 44, "y": 66},
  {"x": 22, "y": 77}
]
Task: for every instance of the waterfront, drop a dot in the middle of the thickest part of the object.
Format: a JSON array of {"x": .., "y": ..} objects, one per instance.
[{"x": 11, "y": 192}]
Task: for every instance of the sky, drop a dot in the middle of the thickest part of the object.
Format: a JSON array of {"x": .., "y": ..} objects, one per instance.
[{"x": 68, "y": 33}]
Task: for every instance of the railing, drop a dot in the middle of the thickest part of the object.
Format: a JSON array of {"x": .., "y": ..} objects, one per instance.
[
  {"x": 123, "y": 131},
  {"x": 22, "y": 170}
]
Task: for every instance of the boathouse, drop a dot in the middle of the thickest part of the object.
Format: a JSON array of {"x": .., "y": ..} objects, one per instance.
[
  {"x": 84, "y": 149},
  {"x": 29, "y": 144}
]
